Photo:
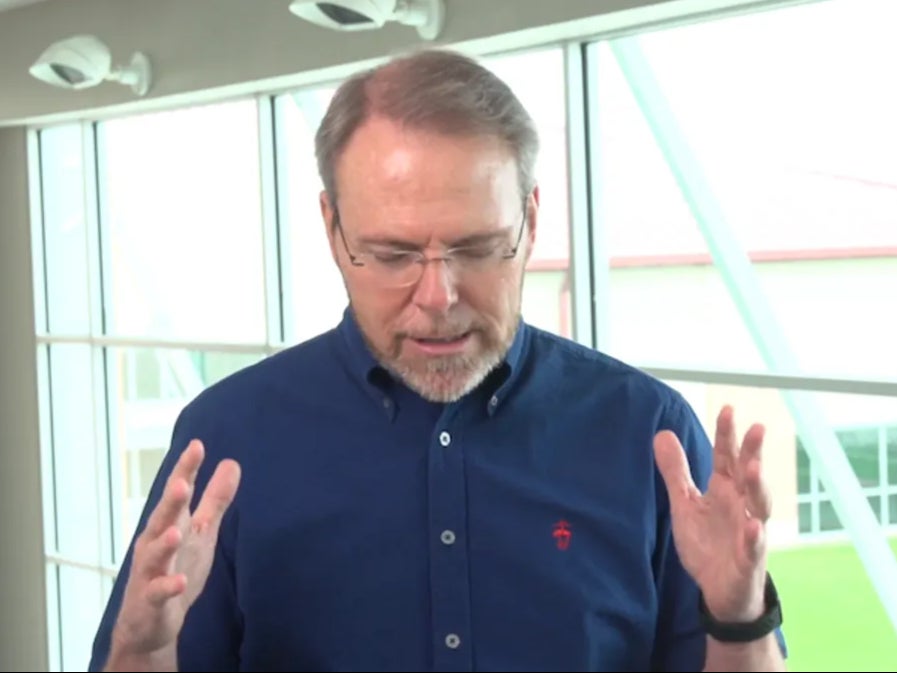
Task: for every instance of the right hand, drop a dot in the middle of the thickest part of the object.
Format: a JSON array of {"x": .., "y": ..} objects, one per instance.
[{"x": 173, "y": 556}]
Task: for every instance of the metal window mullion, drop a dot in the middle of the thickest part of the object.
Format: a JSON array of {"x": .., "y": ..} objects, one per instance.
[
  {"x": 777, "y": 380},
  {"x": 97, "y": 227},
  {"x": 162, "y": 344},
  {"x": 288, "y": 304},
  {"x": 38, "y": 231},
  {"x": 274, "y": 319},
  {"x": 53, "y": 619},
  {"x": 583, "y": 265},
  {"x": 61, "y": 560}
]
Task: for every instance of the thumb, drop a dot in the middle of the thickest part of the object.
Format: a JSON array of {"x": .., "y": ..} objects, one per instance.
[{"x": 673, "y": 467}]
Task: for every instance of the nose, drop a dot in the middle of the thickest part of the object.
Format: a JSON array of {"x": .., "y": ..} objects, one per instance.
[{"x": 436, "y": 290}]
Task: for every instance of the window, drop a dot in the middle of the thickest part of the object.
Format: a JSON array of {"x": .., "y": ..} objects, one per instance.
[
  {"x": 749, "y": 218},
  {"x": 318, "y": 297},
  {"x": 147, "y": 388},
  {"x": 154, "y": 285},
  {"x": 537, "y": 78},
  {"x": 867, "y": 451},
  {"x": 184, "y": 237}
]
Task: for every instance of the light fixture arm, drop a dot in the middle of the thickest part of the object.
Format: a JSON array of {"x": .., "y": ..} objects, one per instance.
[
  {"x": 137, "y": 74},
  {"x": 428, "y": 16}
]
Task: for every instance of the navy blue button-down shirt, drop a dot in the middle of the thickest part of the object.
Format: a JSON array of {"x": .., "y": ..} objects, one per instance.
[{"x": 524, "y": 527}]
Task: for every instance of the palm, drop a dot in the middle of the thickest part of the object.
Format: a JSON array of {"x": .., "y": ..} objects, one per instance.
[
  {"x": 719, "y": 535},
  {"x": 173, "y": 555}
]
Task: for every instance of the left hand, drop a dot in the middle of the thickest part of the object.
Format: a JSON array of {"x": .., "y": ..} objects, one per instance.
[{"x": 720, "y": 535}]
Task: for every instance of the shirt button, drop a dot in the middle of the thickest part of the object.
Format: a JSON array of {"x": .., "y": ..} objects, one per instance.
[
  {"x": 445, "y": 438},
  {"x": 386, "y": 403},
  {"x": 493, "y": 402},
  {"x": 452, "y": 641},
  {"x": 447, "y": 537}
]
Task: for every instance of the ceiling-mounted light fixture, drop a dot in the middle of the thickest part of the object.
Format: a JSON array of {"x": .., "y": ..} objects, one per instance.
[
  {"x": 83, "y": 61},
  {"x": 427, "y": 16}
]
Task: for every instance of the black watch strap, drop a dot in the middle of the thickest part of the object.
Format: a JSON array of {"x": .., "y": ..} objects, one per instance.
[{"x": 744, "y": 632}]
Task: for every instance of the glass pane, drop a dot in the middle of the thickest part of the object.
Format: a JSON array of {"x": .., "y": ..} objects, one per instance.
[
  {"x": 81, "y": 600},
  {"x": 826, "y": 586},
  {"x": 803, "y": 469},
  {"x": 828, "y": 517},
  {"x": 316, "y": 296},
  {"x": 892, "y": 510},
  {"x": 537, "y": 78},
  {"x": 891, "y": 439},
  {"x": 182, "y": 201},
  {"x": 799, "y": 178},
  {"x": 76, "y": 451},
  {"x": 875, "y": 504},
  {"x": 65, "y": 230},
  {"x": 862, "y": 449},
  {"x": 805, "y": 517},
  {"x": 148, "y": 389}
]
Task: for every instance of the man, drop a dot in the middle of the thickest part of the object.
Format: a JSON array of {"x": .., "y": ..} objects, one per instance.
[{"x": 435, "y": 485}]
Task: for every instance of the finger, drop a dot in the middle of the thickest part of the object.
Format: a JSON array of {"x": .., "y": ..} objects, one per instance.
[
  {"x": 725, "y": 443},
  {"x": 758, "y": 500},
  {"x": 673, "y": 467},
  {"x": 173, "y": 502},
  {"x": 156, "y": 556},
  {"x": 164, "y": 588},
  {"x": 218, "y": 496},
  {"x": 189, "y": 461},
  {"x": 751, "y": 447},
  {"x": 753, "y": 540}
]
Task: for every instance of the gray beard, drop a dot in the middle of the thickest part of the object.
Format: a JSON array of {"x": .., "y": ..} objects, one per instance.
[{"x": 445, "y": 379}]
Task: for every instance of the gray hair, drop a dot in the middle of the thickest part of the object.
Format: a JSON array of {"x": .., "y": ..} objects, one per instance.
[{"x": 431, "y": 90}]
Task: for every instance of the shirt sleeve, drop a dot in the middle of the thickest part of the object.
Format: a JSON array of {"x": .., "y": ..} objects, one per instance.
[
  {"x": 680, "y": 642},
  {"x": 211, "y": 634}
]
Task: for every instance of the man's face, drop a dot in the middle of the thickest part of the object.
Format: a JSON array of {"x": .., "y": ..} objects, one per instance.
[{"x": 411, "y": 191}]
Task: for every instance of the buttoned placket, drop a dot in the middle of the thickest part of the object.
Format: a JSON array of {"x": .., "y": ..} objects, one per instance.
[{"x": 449, "y": 578}]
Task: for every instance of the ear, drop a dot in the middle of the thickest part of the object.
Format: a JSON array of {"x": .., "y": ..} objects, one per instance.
[
  {"x": 328, "y": 211},
  {"x": 532, "y": 220}
]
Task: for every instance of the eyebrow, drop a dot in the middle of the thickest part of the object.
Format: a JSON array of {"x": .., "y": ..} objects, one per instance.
[
  {"x": 399, "y": 244},
  {"x": 478, "y": 239},
  {"x": 387, "y": 242}
]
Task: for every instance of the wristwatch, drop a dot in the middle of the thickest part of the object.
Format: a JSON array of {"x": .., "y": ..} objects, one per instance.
[{"x": 744, "y": 632}]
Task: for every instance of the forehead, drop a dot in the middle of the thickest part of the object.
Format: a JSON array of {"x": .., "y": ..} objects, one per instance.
[{"x": 394, "y": 173}]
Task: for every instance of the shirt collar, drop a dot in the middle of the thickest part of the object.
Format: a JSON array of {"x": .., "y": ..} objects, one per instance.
[
  {"x": 377, "y": 380},
  {"x": 362, "y": 361},
  {"x": 507, "y": 374}
]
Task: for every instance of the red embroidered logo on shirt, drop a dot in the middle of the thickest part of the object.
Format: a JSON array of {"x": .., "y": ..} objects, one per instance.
[{"x": 562, "y": 534}]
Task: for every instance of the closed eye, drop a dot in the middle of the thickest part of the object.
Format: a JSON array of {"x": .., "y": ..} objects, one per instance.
[
  {"x": 392, "y": 257},
  {"x": 475, "y": 252}
]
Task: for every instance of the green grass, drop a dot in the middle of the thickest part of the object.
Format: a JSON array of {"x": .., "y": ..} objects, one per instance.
[{"x": 834, "y": 621}]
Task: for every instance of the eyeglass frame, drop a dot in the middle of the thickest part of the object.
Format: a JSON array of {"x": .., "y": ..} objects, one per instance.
[{"x": 418, "y": 256}]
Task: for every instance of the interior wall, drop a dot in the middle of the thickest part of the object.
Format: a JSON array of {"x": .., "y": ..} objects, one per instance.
[{"x": 23, "y": 620}]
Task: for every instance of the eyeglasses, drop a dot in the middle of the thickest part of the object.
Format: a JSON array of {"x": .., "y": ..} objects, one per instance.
[{"x": 402, "y": 268}]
